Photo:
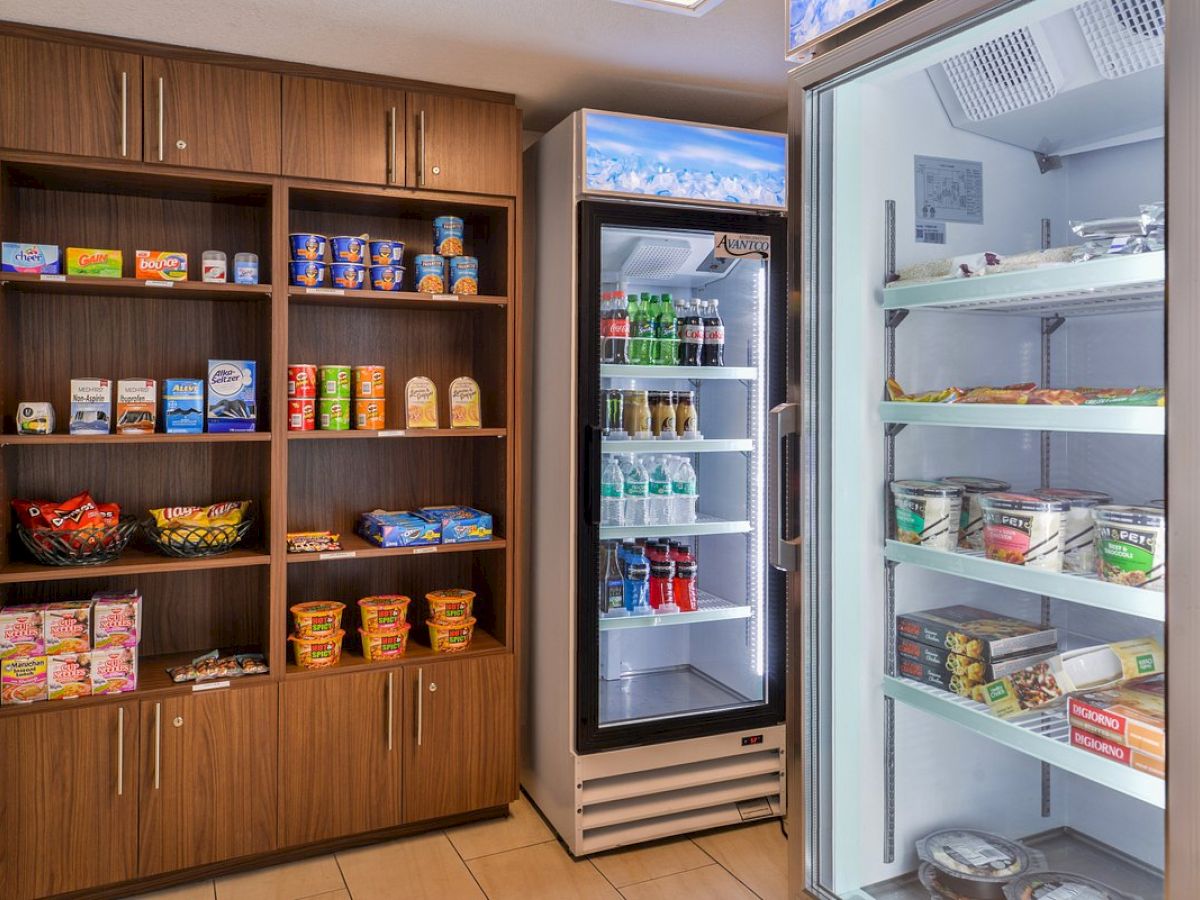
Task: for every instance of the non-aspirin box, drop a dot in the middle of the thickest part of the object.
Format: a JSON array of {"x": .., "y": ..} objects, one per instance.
[
  {"x": 30, "y": 258},
  {"x": 93, "y": 262},
  {"x": 160, "y": 265},
  {"x": 91, "y": 405},
  {"x": 231, "y": 395},
  {"x": 137, "y": 405},
  {"x": 183, "y": 406}
]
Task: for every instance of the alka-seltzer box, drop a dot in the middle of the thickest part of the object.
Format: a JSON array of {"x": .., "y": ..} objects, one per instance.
[
  {"x": 137, "y": 405},
  {"x": 67, "y": 627},
  {"x": 114, "y": 670},
  {"x": 69, "y": 676},
  {"x": 21, "y": 631},
  {"x": 183, "y": 406},
  {"x": 30, "y": 258},
  {"x": 116, "y": 619},
  {"x": 22, "y": 680},
  {"x": 91, "y": 405},
  {"x": 160, "y": 265},
  {"x": 231, "y": 395},
  {"x": 976, "y": 633},
  {"x": 96, "y": 263},
  {"x": 1134, "y": 716}
]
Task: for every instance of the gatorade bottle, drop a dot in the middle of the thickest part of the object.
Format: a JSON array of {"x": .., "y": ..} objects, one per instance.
[
  {"x": 666, "y": 330},
  {"x": 714, "y": 336},
  {"x": 692, "y": 346}
]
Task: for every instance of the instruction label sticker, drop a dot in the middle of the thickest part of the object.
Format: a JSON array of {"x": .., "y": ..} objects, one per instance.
[
  {"x": 948, "y": 190},
  {"x": 931, "y": 233},
  {"x": 729, "y": 245}
]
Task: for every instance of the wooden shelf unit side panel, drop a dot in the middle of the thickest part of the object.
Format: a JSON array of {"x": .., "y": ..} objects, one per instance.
[
  {"x": 278, "y": 485},
  {"x": 513, "y": 368},
  {"x": 461, "y": 144}
]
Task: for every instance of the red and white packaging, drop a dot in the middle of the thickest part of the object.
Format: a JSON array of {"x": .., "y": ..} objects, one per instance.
[
  {"x": 1118, "y": 753},
  {"x": 302, "y": 414}
]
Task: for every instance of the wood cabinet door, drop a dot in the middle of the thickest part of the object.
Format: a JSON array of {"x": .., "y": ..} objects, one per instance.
[
  {"x": 459, "y": 144},
  {"x": 342, "y": 131},
  {"x": 62, "y": 98},
  {"x": 69, "y": 805},
  {"x": 208, "y": 770},
  {"x": 211, "y": 117},
  {"x": 460, "y": 749},
  {"x": 340, "y": 752}
]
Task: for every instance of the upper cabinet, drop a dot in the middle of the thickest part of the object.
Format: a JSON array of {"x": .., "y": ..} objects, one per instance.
[
  {"x": 458, "y": 144},
  {"x": 343, "y": 131},
  {"x": 63, "y": 98},
  {"x": 211, "y": 116}
]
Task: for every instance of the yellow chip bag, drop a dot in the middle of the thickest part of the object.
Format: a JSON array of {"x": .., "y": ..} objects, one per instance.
[
  {"x": 180, "y": 525},
  {"x": 420, "y": 403}
]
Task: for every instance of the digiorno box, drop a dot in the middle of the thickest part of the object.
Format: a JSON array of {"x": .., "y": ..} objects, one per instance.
[
  {"x": 1118, "y": 753},
  {"x": 22, "y": 680},
  {"x": 116, "y": 619},
  {"x": 69, "y": 676},
  {"x": 1133, "y": 716},
  {"x": 67, "y": 627},
  {"x": 21, "y": 631},
  {"x": 137, "y": 405},
  {"x": 160, "y": 265},
  {"x": 976, "y": 633},
  {"x": 96, "y": 263}
]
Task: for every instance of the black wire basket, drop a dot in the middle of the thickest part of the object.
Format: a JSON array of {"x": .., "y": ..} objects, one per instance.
[
  {"x": 81, "y": 547},
  {"x": 196, "y": 541}
]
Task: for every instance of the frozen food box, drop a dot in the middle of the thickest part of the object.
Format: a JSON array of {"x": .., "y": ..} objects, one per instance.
[
  {"x": 160, "y": 265},
  {"x": 231, "y": 395},
  {"x": 21, "y": 631},
  {"x": 69, "y": 676},
  {"x": 460, "y": 524},
  {"x": 1118, "y": 753},
  {"x": 137, "y": 405},
  {"x": 33, "y": 259},
  {"x": 974, "y": 671},
  {"x": 116, "y": 619},
  {"x": 183, "y": 406},
  {"x": 22, "y": 680},
  {"x": 1134, "y": 716},
  {"x": 91, "y": 405},
  {"x": 97, "y": 263},
  {"x": 976, "y": 633},
  {"x": 400, "y": 528},
  {"x": 114, "y": 670},
  {"x": 67, "y": 627}
]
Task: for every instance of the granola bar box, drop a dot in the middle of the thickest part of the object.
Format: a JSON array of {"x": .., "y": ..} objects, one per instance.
[{"x": 976, "y": 633}]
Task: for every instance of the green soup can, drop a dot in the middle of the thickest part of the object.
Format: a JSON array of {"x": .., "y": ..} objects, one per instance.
[
  {"x": 333, "y": 414},
  {"x": 334, "y": 382}
]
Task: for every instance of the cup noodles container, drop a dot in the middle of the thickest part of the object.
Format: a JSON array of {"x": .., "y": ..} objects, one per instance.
[
  {"x": 91, "y": 405},
  {"x": 333, "y": 380},
  {"x": 386, "y": 253},
  {"x": 306, "y": 246},
  {"x": 116, "y": 619},
  {"x": 450, "y": 605},
  {"x": 232, "y": 390},
  {"x": 349, "y": 276},
  {"x": 448, "y": 236},
  {"x": 333, "y": 414},
  {"x": 1079, "y": 540},
  {"x": 977, "y": 864},
  {"x": 1094, "y": 743},
  {"x": 317, "y": 652},
  {"x": 970, "y": 521},
  {"x": 183, "y": 406},
  {"x": 450, "y": 637},
  {"x": 460, "y": 524},
  {"x": 349, "y": 249},
  {"x": 1061, "y": 886},
  {"x": 369, "y": 414},
  {"x": 302, "y": 414},
  {"x": 1024, "y": 530},
  {"x": 67, "y": 627},
  {"x": 399, "y": 528},
  {"x": 22, "y": 679},
  {"x": 69, "y": 676},
  {"x": 370, "y": 381},
  {"x": 306, "y": 273},
  {"x": 430, "y": 277},
  {"x": 1131, "y": 545},
  {"x": 317, "y": 618},
  {"x": 927, "y": 513},
  {"x": 94, "y": 262},
  {"x": 137, "y": 405},
  {"x": 378, "y": 645},
  {"x": 33, "y": 259},
  {"x": 464, "y": 403},
  {"x": 383, "y": 612},
  {"x": 160, "y": 265},
  {"x": 21, "y": 631},
  {"x": 976, "y": 633},
  {"x": 302, "y": 380},
  {"x": 35, "y": 417},
  {"x": 114, "y": 670},
  {"x": 1134, "y": 716},
  {"x": 464, "y": 275}
]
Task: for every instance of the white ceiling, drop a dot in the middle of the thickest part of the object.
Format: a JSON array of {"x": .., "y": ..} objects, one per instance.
[{"x": 725, "y": 67}]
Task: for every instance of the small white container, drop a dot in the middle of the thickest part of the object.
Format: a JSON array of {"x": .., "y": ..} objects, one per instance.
[
  {"x": 212, "y": 267},
  {"x": 1131, "y": 545},
  {"x": 1024, "y": 530},
  {"x": 1079, "y": 542},
  {"x": 927, "y": 513}
]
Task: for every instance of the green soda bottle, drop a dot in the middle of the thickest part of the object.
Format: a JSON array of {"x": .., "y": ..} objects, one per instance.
[
  {"x": 641, "y": 334},
  {"x": 666, "y": 330}
]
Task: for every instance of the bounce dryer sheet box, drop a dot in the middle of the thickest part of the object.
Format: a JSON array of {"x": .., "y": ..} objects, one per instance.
[
  {"x": 183, "y": 406},
  {"x": 160, "y": 265},
  {"x": 976, "y": 633},
  {"x": 137, "y": 405},
  {"x": 91, "y": 405},
  {"x": 231, "y": 395}
]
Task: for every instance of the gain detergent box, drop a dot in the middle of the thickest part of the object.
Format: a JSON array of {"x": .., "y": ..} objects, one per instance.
[
  {"x": 231, "y": 395},
  {"x": 96, "y": 263}
]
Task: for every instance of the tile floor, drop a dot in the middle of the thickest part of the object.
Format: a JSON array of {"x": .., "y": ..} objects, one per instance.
[{"x": 518, "y": 858}]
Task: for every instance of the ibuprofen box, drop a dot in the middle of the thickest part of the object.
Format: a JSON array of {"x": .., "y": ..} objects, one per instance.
[
  {"x": 160, "y": 265},
  {"x": 137, "y": 404},
  {"x": 116, "y": 619},
  {"x": 91, "y": 405},
  {"x": 22, "y": 679},
  {"x": 21, "y": 631},
  {"x": 30, "y": 258},
  {"x": 69, "y": 676},
  {"x": 231, "y": 395},
  {"x": 183, "y": 406},
  {"x": 96, "y": 263},
  {"x": 114, "y": 670},
  {"x": 460, "y": 524},
  {"x": 399, "y": 529}
]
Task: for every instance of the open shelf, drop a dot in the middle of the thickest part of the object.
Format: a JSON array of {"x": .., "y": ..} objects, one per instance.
[
  {"x": 399, "y": 433},
  {"x": 1031, "y": 417},
  {"x": 709, "y": 608},
  {"x": 390, "y": 299},
  {"x": 131, "y": 562},
  {"x": 415, "y": 654},
  {"x": 84, "y": 285},
  {"x": 681, "y": 373},
  {"x": 355, "y": 547},
  {"x": 1099, "y": 286},
  {"x": 1044, "y": 736},
  {"x": 705, "y": 445},
  {"x": 1088, "y": 590},
  {"x": 705, "y": 525},
  {"x": 240, "y": 437}
]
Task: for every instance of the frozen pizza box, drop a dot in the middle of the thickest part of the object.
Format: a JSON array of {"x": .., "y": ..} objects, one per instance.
[
  {"x": 976, "y": 633},
  {"x": 1134, "y": 716},
  {"x": 1093, "y": 743}
]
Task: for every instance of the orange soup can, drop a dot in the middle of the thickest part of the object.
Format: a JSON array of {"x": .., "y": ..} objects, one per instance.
[
  {"x": 368, "y": 381},
  {"x": 302, "y": 414},
  {"x": 368, "y": 414}
]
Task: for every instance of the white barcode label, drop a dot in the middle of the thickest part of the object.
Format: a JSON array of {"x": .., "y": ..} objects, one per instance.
[
  {"x": 393, "y": 432},
  {"x": 425, "y": 550},
  {"x": 338, "y": 554},
  {"x": 156, "y": 283},
  {"x": 52, "y": 278},
  {"x": 445, "y": 296},
  {"x": 210, "y": 685},
  {"x": 335, "y": 291}
]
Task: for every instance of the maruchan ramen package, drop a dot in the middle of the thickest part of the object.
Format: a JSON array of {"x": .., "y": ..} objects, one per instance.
[
  {"x": 67, "y": 627},
  {"x": 96, "y": 263},
  {"x": 160, "y": 265},
  {"x": 114, "y": 670},
  {"x": 183, "y": 406},
  {"x": 91, "y": 405},
  {"x": 21, "y": 631},
  {"x": 464, "y": 403},
  {"x": 34, "y": 259},
  {"x": 420, "y": 403},
  {"x": 459, "y": 524},
  {"x": 116, "y": 619},
  {"x": 22, "y": 680},
  {"x": 399, "y": 528},
  {"x": 178, "y": 524},
  {"x": 232, "y": 391},
  {"x": 137, "y": 405},
  {"x": 69, "y": 676}
]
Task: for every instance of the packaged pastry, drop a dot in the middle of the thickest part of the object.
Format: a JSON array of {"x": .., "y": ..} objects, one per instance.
[
  {"x": 1024, "y": 530},
  {"x": 383, "y": 612},
  {"x": 927, "y": 513},
  {"x": 1079, "y": 539},
  {"x": 22, "y": 679},
  {"x": 975, "y": 633},
  {"x": 67, "y": 627},
  {"x": 1061, "y": 886},
  {"x": 21, "y": 631},
  {"x": 116, "y": 619},
  {"x": 378, "y": 645},
  {"x": 420, "y": 403},
  {"x": 252, "y": 663},
  {"x": 69, "y": 676},
  {"x": 450, "y": 605},
  {"x": 114, "y": 670},
  {"x": 1131, "y": 545},
  {"x": 318, "y": 618},
  {"x": 464, "y": 403},
  {"x": 970, "y": 521},
  {"x": 977, "y": 864}
]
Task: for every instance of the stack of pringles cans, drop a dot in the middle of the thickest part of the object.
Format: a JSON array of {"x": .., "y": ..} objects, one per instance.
[
  {"x": 349, "y": 268},
  {"x": 447, "y": 270},
  {"x": 320, "y": 397}
]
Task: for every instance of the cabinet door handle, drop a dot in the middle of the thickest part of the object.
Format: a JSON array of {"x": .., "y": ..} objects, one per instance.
[
  {"x": 120, "y": 751},
  {"x": 160, "y": 119},
  {"x": 420, "y": 703},
  {"x": 124, "y": 113},
  {"x": 157, "y": 745},
  {"x": 421, "y": 150},
  {"x": 391, "y": 173},
  {"x": 390, "y": 707}
]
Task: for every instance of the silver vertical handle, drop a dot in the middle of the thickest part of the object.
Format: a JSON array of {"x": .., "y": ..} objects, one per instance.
[
  {"x": 784, "y": 422},
  {"x": 391, "y": 172},
  {"x": 390, "y": 706},
  {"x": 124, "y": 113},
  {"x": 120, "y": 751},
  {"x": 160, "y": 118},
  {"x": 421, "y": 149},
  {"x": 420, "y": 703},
  {"x": 157, "y": 744}
]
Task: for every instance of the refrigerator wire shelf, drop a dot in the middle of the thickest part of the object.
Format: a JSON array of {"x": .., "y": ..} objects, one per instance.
[{"x": 709, "y": 608}]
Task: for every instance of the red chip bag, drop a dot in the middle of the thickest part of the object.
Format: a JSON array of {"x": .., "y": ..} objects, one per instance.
[{"x": 79, "y": 512}]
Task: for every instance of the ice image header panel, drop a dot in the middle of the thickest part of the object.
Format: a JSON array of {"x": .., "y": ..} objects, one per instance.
[
  {"x": 630, "y": 155},
  {"x": 810, "y": 19}
]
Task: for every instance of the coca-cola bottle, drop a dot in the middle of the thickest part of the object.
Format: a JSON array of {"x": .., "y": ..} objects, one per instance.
[
  {"x": 693, "y": 336},
  {"x": 606, "y": 311},
  {"x": 714, "y": 336}
]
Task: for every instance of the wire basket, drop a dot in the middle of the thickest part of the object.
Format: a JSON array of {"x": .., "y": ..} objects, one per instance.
[
  {"x": 195, "y": 541},
  {"x": 81, "y": 547}
]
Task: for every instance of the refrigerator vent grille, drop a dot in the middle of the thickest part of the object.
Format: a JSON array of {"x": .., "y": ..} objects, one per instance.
[
  {"x": 655, "y": 259},
  {"x": 1002, "y": 75},
  {"x": 1125, "y": 36}
]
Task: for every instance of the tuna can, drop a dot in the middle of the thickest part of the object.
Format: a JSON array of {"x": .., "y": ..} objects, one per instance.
[
  {"x": 307, "y": 274},
  {"x": 464, "y": 275},
  {"x": 368, "y": 414},
  {"x": 430, "y": 277},
  {"x": 348, "y": 249},
  {"x": 302, "y": 380},
  {"x": 334, "y": 413},
  {"x": 448, "y": 236},
  {"x": 302, "y": 414},
  {"x": 350, "y": 276},
  {"x": 369, "y": 381},
  {"x": 334, "y": 382}
]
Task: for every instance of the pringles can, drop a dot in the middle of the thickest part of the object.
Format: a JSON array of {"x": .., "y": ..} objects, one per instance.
[
  {"x": 302, "y": 380},
  {"x": 334, "y": 381},
  {"x": 334, "y": 413},
  {"x": 302, "y": 414},
  {"x": 368, "y": 414},
  {"x": 369, "y": 381}
]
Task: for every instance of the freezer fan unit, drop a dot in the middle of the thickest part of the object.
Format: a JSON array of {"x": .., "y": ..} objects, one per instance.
[
  {"x": 1125, "y": 36},
  {"x": 1005, "y": 74},
  {"x": 655, "y": 259}
]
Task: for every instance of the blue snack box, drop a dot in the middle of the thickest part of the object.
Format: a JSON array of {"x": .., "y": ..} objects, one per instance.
[
  {"x": 399, "y": 528},
  {"x": 183, "y": 406},
  {"x": 232, "y": 386},
  {"x": 31, "y": 258},
  {"x": 460, "y": 524}
]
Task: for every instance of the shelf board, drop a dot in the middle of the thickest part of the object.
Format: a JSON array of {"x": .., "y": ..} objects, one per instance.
[
  {"x": 355, "y": 547},
  {"x": 705, "y": 445},
  {"x": 704, "y": 526},
  {"x": 1044, "y": 736},
  {"x": 1088, "y": 590},
  {"x": 130, "y": 562},
  {"x": 709, "y": 608},
  {"x": 85, "y": 285},
  {"x": 399, "y": 433},
  {"x": 681, "y": 373},
  {"x": 390, "y": 299},
  {"x": 67, "y": 439},
  {"x": 1099, "y": 286},
  {"x": 353, "y": 661},
  {"x": 1031, "y": 417}
]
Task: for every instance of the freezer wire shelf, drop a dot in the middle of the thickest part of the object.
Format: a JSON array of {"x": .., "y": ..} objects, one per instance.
[
  {"x": 704, "y": 525},
  {"x": 709, "y": 608},
  {"x": 703, "y": 445},
  {"x": 1044, "y": 736},
  {"x": 680, "y": 373},
  {"x": 1029, "y": 417}
]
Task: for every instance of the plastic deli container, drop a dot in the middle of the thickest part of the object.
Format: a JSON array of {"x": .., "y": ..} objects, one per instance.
[
  {"x": 320, "y": 618},
  {"x": 450, "y": 638},
  {"x": 306, "y": 273},
  {"x": 377, "y": 645},
  {"x": 1024, "y": 530},
  {"x": 976, "y": 864},
  {"x": 306, "y": 246},
  {"x": 1079, "y": 542},
  {"x": 1131, "y": 545},
  {"x": 970, "y": 522},
  {"x": 450, "y": 605},
  {"x": 384, "y": 612},
  {"x": 1064, "y": 885},
  {"x": 927, "y": 513},
  {"x": 317, "y": 652}
]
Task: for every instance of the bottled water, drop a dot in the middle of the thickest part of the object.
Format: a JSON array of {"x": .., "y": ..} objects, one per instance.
[
  {"x": 683, "y": 493},
  {"x": 637, "y": 484},
  {"x": 659, "y": 506},
  {"x": 612, "y": 491}
]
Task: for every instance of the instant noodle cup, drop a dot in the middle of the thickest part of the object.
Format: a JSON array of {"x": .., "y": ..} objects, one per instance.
[
  {"x": 448, "y": 236},
  {"x": 317, "y": 652},
  {"x": 1024, "y": 530},
  {"x": 384, "y": 612},
  {"x": 348, "y": 249},
  {"x": 386, "y": 253},
  {"x": 307, "y": 246},
  {"x": 430, "y": 273},
  {"x": 450, "y": 638},
  {"x": 350, "y": 276},
  {"x": 307, "y": 273},
  {"x": 1079, "y": 541},
  {"x": 318, "y": 618},
  {"x": 970, "y": 520},
  {"x": 464, "y": 275},
  {"x": 927, "y": 513},
  {"x": 378, "y": 645},
  {"x": 450, "y": 605},
  {"x": 1131, "y": 545},
  {"x": 387, "y": 278}
]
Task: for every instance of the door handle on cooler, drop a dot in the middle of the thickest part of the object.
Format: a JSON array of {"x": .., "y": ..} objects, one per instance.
[
  {"x": 591, "y": 487},
  {"x": 784, "y": 422}
]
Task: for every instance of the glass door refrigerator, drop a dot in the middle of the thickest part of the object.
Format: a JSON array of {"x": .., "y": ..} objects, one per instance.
[
  {"x": 655, "y": 664},
  {"x": 984, "y": 597}
]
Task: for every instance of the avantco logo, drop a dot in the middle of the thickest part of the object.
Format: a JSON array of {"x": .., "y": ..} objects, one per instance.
[{"x": 728, "y": 245}]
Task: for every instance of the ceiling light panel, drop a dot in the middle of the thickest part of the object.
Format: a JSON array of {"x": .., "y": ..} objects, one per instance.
[{"x": 684, "y": 7}]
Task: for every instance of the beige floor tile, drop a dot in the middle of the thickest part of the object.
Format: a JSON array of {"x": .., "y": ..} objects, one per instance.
[
  {"x": 709, "y": 883},
  {"x": 292, "y": 881},
  {"x": 342, "y": 894},
  {"x": 424, "y": 867},
  {"x": 540, "y": 872},
  {"x": 521, "y": 828},
  {"x": 197, "y": 890},
  {"x": 647, "y": 861},
  {"x": 756, "y": 854}
]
